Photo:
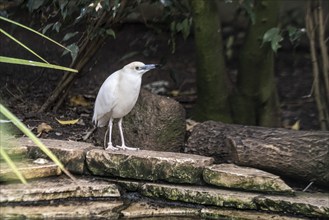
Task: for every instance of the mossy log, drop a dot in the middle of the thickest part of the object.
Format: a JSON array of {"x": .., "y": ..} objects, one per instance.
[{"x": 296, "y": 154}]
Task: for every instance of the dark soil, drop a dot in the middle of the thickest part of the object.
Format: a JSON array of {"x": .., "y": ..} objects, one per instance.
[{"x": 24, "y": 89}]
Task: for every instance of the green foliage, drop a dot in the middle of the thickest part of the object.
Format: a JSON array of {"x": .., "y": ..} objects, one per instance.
[
  {"x": 273, "y": 36},
  {"x": 17, "y": 61},
  {"x": 35, "y": 4},
  {"x": 30, "y": 62},
  {"x": 294, "y": 33},
  {"x": 74, "y": 50},
  {"x": 247, "y": 5},
  {"x": 110, "y": 32},
  {"x": 30, "y": 29},
  {"x": 21, "y": 44},
  {"x": 36, "y": 140},
  {"x": 64, "y": 16},
  {"x": 13, "y": 118},
  {"x": 177, "y": 15},
  {"x": 6, "y": 157}
]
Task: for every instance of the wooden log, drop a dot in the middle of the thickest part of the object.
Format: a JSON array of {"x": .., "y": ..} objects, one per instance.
[{"x": 296, "y": 154}]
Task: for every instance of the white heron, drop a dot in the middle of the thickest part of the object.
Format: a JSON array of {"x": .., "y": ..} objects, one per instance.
[{"x": 117, "y": 96}]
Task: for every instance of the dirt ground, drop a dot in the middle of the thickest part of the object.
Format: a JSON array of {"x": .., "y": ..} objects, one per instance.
[{"x": 24, "y": 89}]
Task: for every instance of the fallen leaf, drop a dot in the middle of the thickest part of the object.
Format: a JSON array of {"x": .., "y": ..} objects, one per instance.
[
  {"x": 174, "y": 93},
  {"x": 190, "y": 124},
  {"x": 43, "y": 127},
  {"x": 67, "y": 122},
  {"x": 79, "y": 100},
  {"x": 296, "y": 126}
]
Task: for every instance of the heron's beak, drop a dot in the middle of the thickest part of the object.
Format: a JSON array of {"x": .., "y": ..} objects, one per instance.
[{"x": 151, "y": 66}]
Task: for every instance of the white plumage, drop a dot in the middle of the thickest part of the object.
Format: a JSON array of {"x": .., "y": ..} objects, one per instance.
[{"x": 117, "y": 96}]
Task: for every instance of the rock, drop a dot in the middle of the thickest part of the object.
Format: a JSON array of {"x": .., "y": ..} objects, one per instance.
[
  {"x": 71, "y": 153},
  {"x": 200, "y": 195},
  {"x": 10, "y": 146},
  {"x": 16, "y": 151},
  {"x": 145, "y": 210},
  {"x": 212, "y": 213},
  {"x": 7, "y": 127},
  {"x": 64, "y": 210},
  {"x": 29, "y": 170},
  {"x": 148, "y": 165},
  {"x": 57, "y": 188},
  {"x": 128, "y": 185},
  {"x": 155, "y": 123},
  {"x": 314, "y": 205},
  {"x": 245, "y": 178}
]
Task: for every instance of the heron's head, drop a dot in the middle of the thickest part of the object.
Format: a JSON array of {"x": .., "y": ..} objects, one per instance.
[{"x": 139, "y": 67}]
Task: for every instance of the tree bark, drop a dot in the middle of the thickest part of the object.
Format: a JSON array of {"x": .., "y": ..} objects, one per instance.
[
  {"x": 296, "y": 154},
  {"x": 256, "y": 100},
  {"x": 315, "y": 27},
  {"x": 213, "y": 92}
]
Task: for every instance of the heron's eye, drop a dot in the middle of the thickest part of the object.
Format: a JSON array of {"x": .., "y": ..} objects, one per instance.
[{"x": 137, "y": 68}]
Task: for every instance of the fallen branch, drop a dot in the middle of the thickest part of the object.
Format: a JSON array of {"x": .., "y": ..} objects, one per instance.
[{"x": 297, "y": 154}]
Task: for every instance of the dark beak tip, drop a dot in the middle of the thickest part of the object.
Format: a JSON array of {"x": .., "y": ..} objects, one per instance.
[{"x": 157, "y": 65}]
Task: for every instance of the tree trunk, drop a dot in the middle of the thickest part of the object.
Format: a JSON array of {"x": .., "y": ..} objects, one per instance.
[
  {"x": 212, "y": 81},
  {"x": 256, "y": 101},
  {"x": 316, "y": 30},
  {"x": 297, "y": 154}
]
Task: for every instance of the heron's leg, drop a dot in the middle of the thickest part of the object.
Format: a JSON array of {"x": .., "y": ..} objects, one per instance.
[
  {"x": 123, "y": 146},
  {"x": 109, "y": 145},
  {"x": 106, "y": 132}
]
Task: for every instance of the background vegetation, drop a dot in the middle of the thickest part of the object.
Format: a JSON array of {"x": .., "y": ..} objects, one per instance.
[{"x": 249, "y": 96}]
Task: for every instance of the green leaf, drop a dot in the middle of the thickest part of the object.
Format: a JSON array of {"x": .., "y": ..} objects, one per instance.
[
  {"x": 45, "y": 29},
  {"x": 116, "y": 7},
  {"x": 173, "y": 26},
  {"x": 34, "y": 31},
  {"x": 74, "y": 50},
  {"x": 275, "y": 44},
  {"x": 11, "y": 164},
  {"x": 268, "y": 36},
  {"x": 36, "y": 140},
  {"x": 81, "y": 15},
  {"x": 69, "y": 35},
  {"x": 34, "y": 63},
  {"x": 62, "y": 4},
  {"x": 248, "y": 6},
  {"x": 110, "y": 32},
  {"x": 294, "y": 33},
  {"x": 274, "y": 37},
  {"x": 57, "y": 26},
  {"x": 179, "y": 26},
  {"x": 34, "y": 4},
  {"x": 186, "y": 28},
  {"x": 23, "y": 45}
]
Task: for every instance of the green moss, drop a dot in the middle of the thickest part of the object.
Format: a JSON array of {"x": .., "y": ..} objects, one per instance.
[
  {"x": 175, "y": 128},
  {"x": 197, "y": 197},
  {"x": 251, "y": 184},
  {"x": 291, "y": 208},
  {"x": 136, "y": 168}
]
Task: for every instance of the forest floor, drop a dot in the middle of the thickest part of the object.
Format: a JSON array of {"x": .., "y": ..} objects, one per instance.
[{"x": 24, "y": 89}]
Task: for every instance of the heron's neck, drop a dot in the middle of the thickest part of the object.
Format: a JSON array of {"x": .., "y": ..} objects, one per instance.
[{"x": 131, "y": 81}]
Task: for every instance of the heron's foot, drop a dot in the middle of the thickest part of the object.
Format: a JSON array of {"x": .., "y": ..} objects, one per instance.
[
  {"x": 110, "y": 147},
  {"x": 124, "y": 147}
]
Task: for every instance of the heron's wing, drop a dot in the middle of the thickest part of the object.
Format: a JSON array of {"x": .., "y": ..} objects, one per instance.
[{"x": 106, "y": 100}]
